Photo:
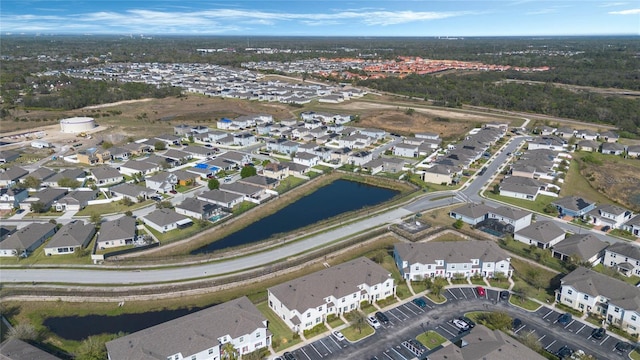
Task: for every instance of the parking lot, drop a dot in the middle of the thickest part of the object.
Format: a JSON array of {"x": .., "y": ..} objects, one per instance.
[{"x": 396, "y": 339}]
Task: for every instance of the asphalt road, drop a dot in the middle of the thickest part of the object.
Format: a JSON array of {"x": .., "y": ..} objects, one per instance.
[{"x": 470, "y": 193}]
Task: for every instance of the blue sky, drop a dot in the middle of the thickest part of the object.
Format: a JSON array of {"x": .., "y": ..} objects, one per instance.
[{"x": 323, "y": 18}]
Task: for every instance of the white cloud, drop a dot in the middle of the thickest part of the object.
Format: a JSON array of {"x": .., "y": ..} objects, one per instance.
[
  {"x": 626, "y": 12},
  {"x": 612, "y": 4}
]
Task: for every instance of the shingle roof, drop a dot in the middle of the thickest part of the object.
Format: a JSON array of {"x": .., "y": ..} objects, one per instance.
[
  {"x": 450, "y": 251},
  {"x": 626, "y": 249},
  {"x": 163, "y": 217},
  {"x": 584, "y": 246},
  {"x": 105, "y": 172},
  {"x": 196, "y": 205},
  {"x": 594, "y": 283},
  {"x": 189, "y": 334},
  {"x": 510, "y": 212},
  {"x": 542, "y": 231},
  {"x": 25, "y": 237},
  {"x": 14, "y": 349},
  {"x": 473, "y": 210},
  {"x": 76, "y": 233},
  {"x": 120, "y": 228},
  {"x": 338, "y": 281},
  {"x": 575, "y": 203}
]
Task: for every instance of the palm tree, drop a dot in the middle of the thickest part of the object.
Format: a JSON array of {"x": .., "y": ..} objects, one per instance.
[{"x": 228, "y": 352}]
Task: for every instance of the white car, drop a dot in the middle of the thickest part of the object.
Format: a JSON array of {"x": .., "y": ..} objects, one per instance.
[
  {"x": 338, "y": 335},
  {"x": 373, "y": 322},
  {"x": 460, "y": 324}
]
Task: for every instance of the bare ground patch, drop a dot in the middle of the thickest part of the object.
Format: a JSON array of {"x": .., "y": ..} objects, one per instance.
[{"x": 616, "y": 178}]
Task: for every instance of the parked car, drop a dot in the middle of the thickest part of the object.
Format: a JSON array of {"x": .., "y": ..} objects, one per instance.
[
  {"x": 288, "y": 356},
  {"x": 481, "y": 292},
  {"x": 564, "y": 352},
  {"x": 622, "y": 347},
  {"x": 382, "y": 318},
  {"x": 419, "y": 302},
  {"x": 564, "y": 319},
  {"x": 373, "y": 322},
  {"x": 606, "y": 228},
  {"x": 338, "y": 335},
  {"x": 598, "y": 333},
  {"x": 461, "y": 325},
  {"x": 516, "y": 324},
  {"x": 173, "y": 192},
  {"x": 504, "y": 295},
  {"x": 469, "y": 322}
]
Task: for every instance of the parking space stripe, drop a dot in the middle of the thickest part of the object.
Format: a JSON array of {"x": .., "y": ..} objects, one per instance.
[
  {"x": 455, "y": 297},
  {"x": 394, "y": 350},
  {"x": 449, "y": 332},
  {"x": 462, "y": 292},
  {"x": 408, "y": 308},
  {"x": 548, "y": 346},
  {"x": 305, "y": 353},
  {"x": 583, "y": 326},
  {"x": 387, "y": 355},
  {"x": 400, "y": 311},
  {"x": 521, "y": 327},
  {"x": 326, "y": 347},
  {"x": 543, "y": 336},
  {"x": 549, "y": 313},
  {"x": 334, "y": 341},
  {"x": 569, "y": 324},
  {"x": 394, "y": 315},
  {"x": 316, "y": 350},
  {"x": 605, "y": 339}
]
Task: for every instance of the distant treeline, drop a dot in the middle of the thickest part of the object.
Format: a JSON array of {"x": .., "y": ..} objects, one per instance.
[{"x": 486, "y": 89}]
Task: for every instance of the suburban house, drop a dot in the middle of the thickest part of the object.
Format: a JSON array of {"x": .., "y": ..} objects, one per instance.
[
  {"x": 199, "y": 152},
  {"x": 633, "y": 151},
  {"x": 163, "y": 220},
  {"x": 168, "y": 139},
  {"x": 609, "y": 215},
  {"x": 612, "y": 148},
  {"x": 585, "y": 248},
  {"x": 182, "y": 130},
  {"x": 71, "y": 174},
  {"x": 305, "y": 302},
  {"x": 359, "y": 158},
  {"x": 520, "y": 187},
  {"x": 586, "y": 134},
  {"x": 373, "y": 133},
  {"x": 516, "y": 218},
  {"x": 261, "y": 181},
  {"x": 76, "y": 200},
  {"x": 550, "y": 142},
  {"x": 143, "y": 167},
  {"x": 633, "y": 225},
  {"x": 244, "y": 139},
  {"x": 624, "y": 257},
  {"x": 588, "y": 145},
  {"x": 441, "y": 174},
  {"x": 12, "y": 175},
  {"x": 277, "y": 171},
  {"x": 10, "y": 198},
  {"x": 47, "y": 197},
  {"x": 471, "y": 213},
  {"x": 251, "y": 193},
  {"x": 609, "y": 136},
  {"x": 178, "y": 156},
  {"x": 392, "y": 165},
  {"x": 71, "y": 236},
  {"x": 543, "y": 234},
  {"x": 296, "y": 169},
  {"x": 282, "y": 146},
  {"x": 162, "y": 182},
  {"x": 93, "y": 156},
  {"x": 8, "y": 156},
  {"x": 591, "y": 292},
  {"x": 118, "y": 232},
  {"x": 105, "y": 175},
  {"x": 574, "y": 206},
  {"x": 27, "y": 239},
  {"x": 131, "y": 191},
  {"x": 198, "y": 209},
  {"x": 306, "y": 159},
  {"x": 15, "y": 349},
  {"x": 198, "y": 336},
  {"x": 224, "y": 199},
  {"x": 406, "y": 150},
  {"x": 239, "y": 158},
  {"x": 41, "y": 173},
  {"x": 449, "y": 259}
]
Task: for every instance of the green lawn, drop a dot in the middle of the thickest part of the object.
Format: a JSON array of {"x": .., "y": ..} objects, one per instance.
[
  {"x": 289, "y": 183},
  {"x": 431, "y": 339},
  {"x": 504, "y": 284},
  {"x": 39, "y": 257},
  {"x": 353, "y": 334},
  {"x": 334, "y": 320},
  {"x": 418, "y": 287},
  {"x": 478, "y": 281},
  {"x": 367, "y": 308},
  {"x": 635, "y": 355},
  {"x": 579, "y": 184},
  {"x": 316, "y": 330},
  {"x": 176, "y": 234},
  {"x": 459, "y": 281},
  {"x": 543, "y": 289},
  {"x": 111, "y": 208},
  {"x": 527, "y": 304},
  {"x": 439, "y": 299},
  {"x": 623, "y": 234},
  {"x": 283, "y": 337},
  {"x": 541, "y": 256},
  {"x": 537, "y": 206},
  {"x": 402, "y": 289}
]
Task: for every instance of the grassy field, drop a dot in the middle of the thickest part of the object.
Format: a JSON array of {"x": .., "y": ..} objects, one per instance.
[
  {"x": 581, "y": 186},
  {"x": 431, "y": 339},
  {"x": 111, "y": 208},
  {"x": 352, "y": 333},
  {"x": 283, "y": 337},
  {"x": 526, "y": 273},
  {"x": 538, "y": 205},
  {"x": 402, "y": 289},
  {"x": 334, "y": 321},
  {"x": 526, "y": 304}
]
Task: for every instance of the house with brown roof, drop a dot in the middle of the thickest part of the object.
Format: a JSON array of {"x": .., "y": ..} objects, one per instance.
[
  {"x": 199, "y": 335},
  {"x": 305, "y": 302}
]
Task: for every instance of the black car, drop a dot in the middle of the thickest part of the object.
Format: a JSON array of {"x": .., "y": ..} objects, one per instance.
[
  {"x": 598, "y": 334},
  {"x": 622, "y": 347},
  {"x": 564, "y": 352},
  {"x": 606, "y": 228},
  {"x": 288, "y": 356},
  {"x": 382, "y": 318},
  {"x": 504, "y": 295},
  {"x": 516, "y": 323},
  {"x": 469, "y": 322},
  {"x": 564, "y": 319}
]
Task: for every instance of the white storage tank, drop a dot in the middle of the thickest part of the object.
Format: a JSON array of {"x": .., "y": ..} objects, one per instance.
[{"x": 77, "y": 125}]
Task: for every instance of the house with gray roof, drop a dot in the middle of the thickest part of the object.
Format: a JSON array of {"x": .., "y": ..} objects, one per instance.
[
  {"x": 199, "y": 152},
  {"x": 199, "y": 335},
  {"x": 484, "y": 343},
  {"x": 574, "y": 206},
  {"x": 471, "y": 213},
  {"x": 449, "y": 259},
  {"x": 608, "y": 136},
  {"x": 27, "y": 239},
  {"x": 633, "y": 151},
  {"x": 105, "y": 175},
  {"x": 392, "y": 165},
  {"x": 624, "y": 257},
  {"x": 275, "y": 170},
  {"x": 164, "y": 220},
  {"x": 609, "y": 215},
  {"x": 296, "y": 169},
  {"x": 6, "y": 230},
  {"x": 441, "y": 173},
  {"x": 224, "y": 199},
  {"x": 15, "y": 349},
  {"x": 71, "y": 174},
  {"x": 588, "y": 145},
  {"x": 71, "y": 236},
  {"x": 612, "y": 148},
  {"x": 8, "y": 156},
  {"x": 47, "y": 197},
  {"x": 306, "y": 159},
  {"x": 10, "y": 198},
  {"x": 261, "y": 181},
  {"x": 162, "y": 182},
  {"x": 198, "y": 209},
  {"x": 585, "y": 248},
  {"x": 76, "y": 200},
  {"x": 237, "y": 157},
  {"x": 143, "y": 167},
  {"x": 374, "y": 166},
  {"x": 305, "y": 302},
  {"x": 41, "y": 173},
  {"x": 589, "y": 291},
  {"x": 516, "y": 218},
  {"x": 521, "y": 187},
  {"x": 118, "y": 232},
  {"x": 251, "y": 193},
  {"x": 178, "y": 155},
  {"x": 12, "y": 175},
  {"x": 543, "y": 234},
  {"x": 633, "y": 226},
  {"x": 131, "y": 191}
]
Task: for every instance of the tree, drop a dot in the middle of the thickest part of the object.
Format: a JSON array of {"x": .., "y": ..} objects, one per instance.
[
  {"x": 107, "y": 145},
  {"x": 95, "y": 218},
  {"x": 164, "y": 205},
  {"x": 228, "y": 352},
  {"x": 213, "y": 184},
  {"x": 91, "y": 348},
  {"x": 69, "y": 183},
  {"x": 410, "y": 111},
  {"x": 530, "y": 340},
  {"x": 126, "y": 201},
  {"x": 23, "y": 331},
  {"x": 458, "y": 224},
  {"x": 31, "y": 182},
  {"x": 498, "y": 320},
  {"x": 437, "y": 285},
  {"x": 38, "y": 207},
  {"x": 248, "y": 171},
  {"x": 128, "y": 213},
  {"x": 160, "y": 145}
]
